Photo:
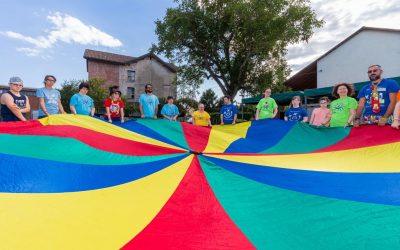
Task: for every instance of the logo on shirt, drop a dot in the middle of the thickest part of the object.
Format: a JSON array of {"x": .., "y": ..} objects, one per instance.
[
  {"x": 228, "y": 113},
  {"x": 294, "y": 117},
  {"x": 339, "y": 107},
  {"x": 266, "y": 105},
  {"x": 52, "y": 99},
  {"x": 20, "y": 103},
  {"x": 114, "y": 108}
]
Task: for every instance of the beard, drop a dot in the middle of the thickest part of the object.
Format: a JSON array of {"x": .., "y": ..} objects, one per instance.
[{"x": 374, "y": 77}]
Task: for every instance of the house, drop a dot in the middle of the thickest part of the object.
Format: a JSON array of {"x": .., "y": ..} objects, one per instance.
[
  {"x": 131, "y": 74},
  {"x": 348, "y": 61}
]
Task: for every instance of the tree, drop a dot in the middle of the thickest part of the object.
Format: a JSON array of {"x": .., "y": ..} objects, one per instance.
[
  {"x": 240, "y": 44},
  {"x": 209, "y": 99},
  {"x": 68, "y": 89},
  {"x": 186, "y": 105}
]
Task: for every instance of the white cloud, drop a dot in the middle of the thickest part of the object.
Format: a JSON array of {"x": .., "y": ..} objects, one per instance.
[
  {"x": 65, "y": 29},
  {"x": 29, "y": 51}
]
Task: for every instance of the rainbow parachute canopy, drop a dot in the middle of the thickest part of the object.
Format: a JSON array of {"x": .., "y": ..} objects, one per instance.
[{"x": 74, "y": 182}]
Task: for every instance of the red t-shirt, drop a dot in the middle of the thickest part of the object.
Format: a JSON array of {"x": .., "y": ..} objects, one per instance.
[{"x": 115, "y": 107}]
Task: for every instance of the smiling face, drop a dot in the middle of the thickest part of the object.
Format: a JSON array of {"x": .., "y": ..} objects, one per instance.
[
  {"x": 16, "y": 87},
  {"x": 323, "y": 103},
  {"x": 267, "y": 93},
  {"x": 49, "y": 82},
  {"x": 201, "y": 107},
  {"x": 115, "y": 95},
  {"x": 374, "y": 72},
  {"x": 83, "y": 91},
  {"x": 296, "y": 102},
  {"x": 149, "y": 88},
  {"x": 227, "y": 100},
  {"x": 342, "y": 91}
]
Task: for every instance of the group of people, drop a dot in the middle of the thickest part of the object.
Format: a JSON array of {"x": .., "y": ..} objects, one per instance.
[
  {"x": 14, "y": 105},
  {"x": 228, "y": 114},
  {"x": 378, "y": 103}
]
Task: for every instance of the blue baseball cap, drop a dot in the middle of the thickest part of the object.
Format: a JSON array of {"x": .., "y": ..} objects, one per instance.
[{"x": 16, "y": 79}]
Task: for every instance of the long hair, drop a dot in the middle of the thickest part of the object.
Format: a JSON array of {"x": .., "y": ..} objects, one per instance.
[
  {"x": 349, "y": 86},
  {"x": 295, "y": 97}
]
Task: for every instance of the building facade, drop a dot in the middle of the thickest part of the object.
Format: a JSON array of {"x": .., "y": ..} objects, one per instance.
[
  {"x": 131, "y": 74},
  {"x": 348, "y": 61}
]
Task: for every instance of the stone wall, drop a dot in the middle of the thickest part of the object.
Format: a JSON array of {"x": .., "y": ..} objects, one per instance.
[
  {"x": 106, "y": 71},
  {"x": 146, "y": 71}
]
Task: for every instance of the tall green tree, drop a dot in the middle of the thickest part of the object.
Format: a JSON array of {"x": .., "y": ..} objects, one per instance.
[
  {"x": 240, "y": 44},
  {"x": 210, "y": 100},
  {"x": 186, "y": 105}
]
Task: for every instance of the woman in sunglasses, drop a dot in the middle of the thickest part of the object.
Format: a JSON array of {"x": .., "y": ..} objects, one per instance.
[{"x": 13, "y": 104}]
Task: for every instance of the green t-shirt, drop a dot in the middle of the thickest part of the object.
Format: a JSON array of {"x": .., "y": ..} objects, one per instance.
[
  {"x": 266, "y": 108},
  {"x": 340, "y": 109}
]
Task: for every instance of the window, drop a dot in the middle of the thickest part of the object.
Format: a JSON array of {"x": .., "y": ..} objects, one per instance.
[
  {"x": 131, "y": 75},
  {"x": 131, "y": 93}
]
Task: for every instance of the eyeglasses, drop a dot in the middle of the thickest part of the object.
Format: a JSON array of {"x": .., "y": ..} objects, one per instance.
[
  {"x": 18, "y": 85},
  {"x": 370, "y": 71}
]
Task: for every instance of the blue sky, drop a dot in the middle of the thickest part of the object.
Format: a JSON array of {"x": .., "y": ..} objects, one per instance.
[
  {"x": 129, "y": 22},
  {"x": 49, "y": 37}
]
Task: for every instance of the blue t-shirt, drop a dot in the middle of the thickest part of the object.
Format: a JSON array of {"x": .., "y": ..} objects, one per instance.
[
  {"x": 83, "y": 104},
  {"x": 170, "y": 111},
  {"x": 51, "y": 98},
  {"x": 149, "y": 104},
  {"x": 228, "y": 112},
  {"x": 296, "y": 114},
  {"x": 385, "y": 87}
]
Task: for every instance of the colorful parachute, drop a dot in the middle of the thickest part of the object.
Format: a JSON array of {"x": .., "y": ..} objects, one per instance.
[{"x": 74, "y": 182}]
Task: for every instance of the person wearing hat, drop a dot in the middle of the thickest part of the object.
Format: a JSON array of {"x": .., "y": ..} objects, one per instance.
[
  {"x": 81, "y": 103},
  {"x": 49, "y": 98},
  {"x": 115, "y": 107},
  {"x": 13, "y": 104}
]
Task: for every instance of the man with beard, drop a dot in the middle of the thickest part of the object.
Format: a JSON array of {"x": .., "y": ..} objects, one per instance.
[
  {"x": 377, "y": 99},
  {"x": 148, "y": 103}
]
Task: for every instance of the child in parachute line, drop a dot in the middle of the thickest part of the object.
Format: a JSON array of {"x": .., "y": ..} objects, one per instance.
[
  {"x": 322, "y": 115},
  {"x": 295, "y": 112}
]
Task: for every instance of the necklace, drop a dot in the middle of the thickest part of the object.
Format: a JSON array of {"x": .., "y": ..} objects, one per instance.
[{"x": 375, "y": 104}]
